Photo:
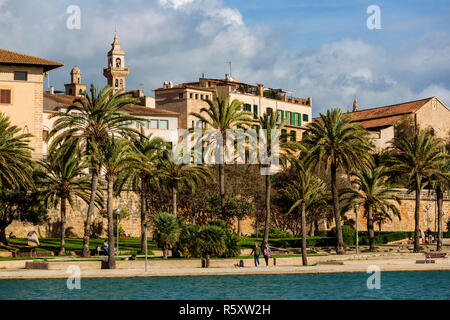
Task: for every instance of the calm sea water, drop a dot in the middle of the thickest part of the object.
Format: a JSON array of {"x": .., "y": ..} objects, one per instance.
[{"x": 394, "y": 285}]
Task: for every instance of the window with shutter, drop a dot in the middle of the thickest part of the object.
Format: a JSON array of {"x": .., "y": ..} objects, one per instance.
[
  {"x": 305, "y": 117},
  {"x": 5, "y": 96},
  {"x": 255, "y": 111},
  {"x": 293, "y": 135}
]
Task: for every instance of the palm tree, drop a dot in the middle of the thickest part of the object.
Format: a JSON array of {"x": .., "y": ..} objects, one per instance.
[
  {"x": 61, "y": 178},
  {"x": 140, "y": 171},
  {"x": 373, "y": 194},
  {"x": 113, "y": 157},
  {"x": 306, "y": 191},
  {"x": 223, "y": 116},
  {"x": 15, "y": 156},
  {"x": 334, "y": 142},
  {"x": 88, "y": 123},
  {"x": 417, "y": 158},
  {"x": 167, "y": 231},
  {"x": 441, "y": 185},
  {"x": 269, "y": 122},
  {"x": 174, "y": 175}
]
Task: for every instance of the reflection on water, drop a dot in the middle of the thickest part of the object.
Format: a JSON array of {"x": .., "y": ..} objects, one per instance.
[{"x": 394, "y": 285}]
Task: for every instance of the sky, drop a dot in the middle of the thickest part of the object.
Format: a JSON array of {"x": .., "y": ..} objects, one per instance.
[{"x": 316, "y": 48}]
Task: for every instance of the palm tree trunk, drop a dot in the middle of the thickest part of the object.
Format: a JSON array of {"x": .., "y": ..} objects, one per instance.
[
  {"x": 440, "y": 203},
  {"x": 63, "y": 227},
  {"x": 222, "y": 176},
  {"x": 304, "y": 258},
  {"x": 416, "y": 222},
  {"x": 239, "y": 218},
  {"x": 87, "y": 225},
  {"x": 165, "y": 251},
  {"x": 111, "y": 258},
  {"x": 370, "y": 228},
  {"x": 267, "y": 200},
  {"x": 312, "y": 229},
  {"x": 3, "y": 235},
  {"x": 174, "y": 201},
  {"x": 143, "y": 214},
  {"x": 340, "y": 247}
]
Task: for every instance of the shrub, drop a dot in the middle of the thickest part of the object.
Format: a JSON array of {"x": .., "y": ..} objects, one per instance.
[
  {"x": 348, "y": 234},
  {"x": 274, "y": 233},
  {"x": 212, "y": 241},
  {"x": 167, "y": 231},
  {"x": 232, "y": 248},
  {"x": 189, "y": 242}
]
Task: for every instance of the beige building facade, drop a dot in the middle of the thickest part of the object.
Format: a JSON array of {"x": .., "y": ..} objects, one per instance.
[
  {"x": 190, "y": 97},
  {"x": 21, "y": 93}
]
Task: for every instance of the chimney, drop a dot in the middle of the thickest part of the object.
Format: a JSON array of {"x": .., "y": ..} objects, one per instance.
[
  {"x": 52, "y": 90},
  {"x": 261, "y": 90},
  {"x": 165, "y": 85},
  {"x": 227, "y": 76},
  {"x": 140, "y": 93},
  {"x": 170, "y": 84}
]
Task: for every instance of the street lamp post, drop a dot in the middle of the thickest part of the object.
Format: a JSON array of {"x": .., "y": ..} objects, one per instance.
[
  {"x": 356, "y": 220},
  {"x": 117, "y": 211},
  {"x": 146, "y": 225}
]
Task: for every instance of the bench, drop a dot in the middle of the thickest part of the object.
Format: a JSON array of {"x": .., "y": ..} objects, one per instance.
[{"x": 436, "y": 255}]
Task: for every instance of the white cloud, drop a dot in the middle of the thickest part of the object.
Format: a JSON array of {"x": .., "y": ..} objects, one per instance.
[{"x": 174, "y": 3}]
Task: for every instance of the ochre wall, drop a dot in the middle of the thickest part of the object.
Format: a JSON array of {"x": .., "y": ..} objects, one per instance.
[{"x": 131, "y": 225}]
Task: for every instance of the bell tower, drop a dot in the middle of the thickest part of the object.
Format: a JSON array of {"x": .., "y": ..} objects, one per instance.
[
  {"x": 116, "y": 72},
  {"x": 75, "y": 87}
]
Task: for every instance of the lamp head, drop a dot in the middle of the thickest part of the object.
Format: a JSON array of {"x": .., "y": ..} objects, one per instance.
[
  {"x": 356, "y": 206},
  {"x": 117, "y": 211}
]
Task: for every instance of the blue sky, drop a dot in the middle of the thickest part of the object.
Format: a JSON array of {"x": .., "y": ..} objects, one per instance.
[{"x": 318, "y": 49}]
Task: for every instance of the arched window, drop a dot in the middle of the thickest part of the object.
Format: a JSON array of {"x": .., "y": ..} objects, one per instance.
[
  {"x": 78, "y": 80},
  {"x": 118, "y": 62},
  {"x": 70, "y": 92},
  {"x": 117, "y": 83},
  {"x": 81, "y": 91},
  {"x": 121, "y": 83}
]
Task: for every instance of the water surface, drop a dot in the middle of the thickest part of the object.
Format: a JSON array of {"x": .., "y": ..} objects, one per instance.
[{"x": 424, "y": 285}]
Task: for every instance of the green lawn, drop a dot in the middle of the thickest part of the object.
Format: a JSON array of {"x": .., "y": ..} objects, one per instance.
[{"x": 52, "y": 244}]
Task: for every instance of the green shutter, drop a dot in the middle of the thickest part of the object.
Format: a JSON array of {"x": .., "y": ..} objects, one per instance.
[
  {"x": 299, "y": 119},
  {"x": 255, "y": 111},
  {"x": 292, "y": 118}
]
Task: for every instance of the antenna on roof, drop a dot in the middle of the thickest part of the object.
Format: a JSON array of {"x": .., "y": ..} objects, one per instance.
[{"x": 203, "y": 74}]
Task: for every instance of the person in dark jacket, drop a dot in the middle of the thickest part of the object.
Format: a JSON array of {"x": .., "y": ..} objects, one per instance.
[
  {"x": 266, "y": 253},
  {"x": 256, "y": 251}
]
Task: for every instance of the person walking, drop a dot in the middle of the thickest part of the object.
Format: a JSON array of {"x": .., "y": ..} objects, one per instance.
[
  {"x": 256, "y": 251},
  {"x": 266, "y": 253}
]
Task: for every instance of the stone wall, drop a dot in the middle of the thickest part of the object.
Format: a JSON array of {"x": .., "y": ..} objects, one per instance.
[{"x": 131, "y": 225}]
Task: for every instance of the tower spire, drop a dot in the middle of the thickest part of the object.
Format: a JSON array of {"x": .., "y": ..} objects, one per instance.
[{"x": 355, "y": 105}]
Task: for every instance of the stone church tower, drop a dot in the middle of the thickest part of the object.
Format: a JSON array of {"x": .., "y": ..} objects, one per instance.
[
  {"x": 116, "y": 72},
  {"x": 355, "y": 105},
  {"x": 75, "y": 87}
]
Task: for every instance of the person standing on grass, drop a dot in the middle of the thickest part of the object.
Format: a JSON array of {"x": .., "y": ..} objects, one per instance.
[
  {"x": 256, "y": 251},
  {"x": 266, "y": 253}
]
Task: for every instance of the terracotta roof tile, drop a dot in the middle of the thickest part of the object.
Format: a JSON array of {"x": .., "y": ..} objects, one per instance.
[
  {"x": 53, "y": 102},
  {"x": 11, "y": 57},
  {"x": 386, "y": 115}
]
